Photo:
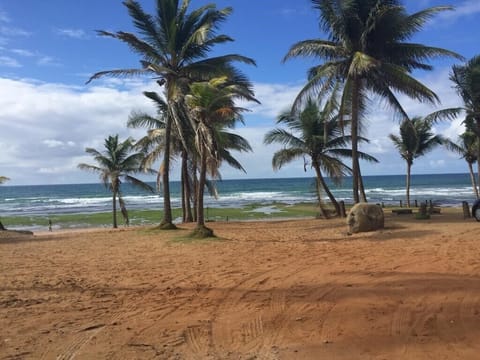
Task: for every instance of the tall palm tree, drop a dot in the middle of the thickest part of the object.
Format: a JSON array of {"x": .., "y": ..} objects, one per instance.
[
  {"x": 368, "y": 52},
  {"x": 315, "y": 134},
  {"x": 467, "y": 82},
  {"x": 212, "y": 107},
  {"x": 173, "y": 46},
  {"x": 115, "y": 164},
  {"x": 153, "y": 144},
  {"x": 3, "y": 179},
  {"x": 416, "y": 139},
  {"x": 467, "y": 147}
]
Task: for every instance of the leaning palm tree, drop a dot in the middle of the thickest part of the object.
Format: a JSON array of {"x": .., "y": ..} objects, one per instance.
[
  {"x": 212, "y": 107},
  {"x": 3, "y": 179},
  {"x": 115, "y": 164},
  {"x": 368, "y": 52},
  {"x": 173, "y": 46},
  {"x": 467, "y": 147},
  {"x": 467, "y": 83},
  {"x": 314, "y": 134},
  {"x": 415, "y": 140}
]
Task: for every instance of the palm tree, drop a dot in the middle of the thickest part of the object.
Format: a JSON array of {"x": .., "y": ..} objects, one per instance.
[
  {"x": 368, "y": 53},
  {"x": 3, "y": 179},
  {"x": 212, "y": 107},
  {"x": 153, "y": 144},
  {"x": 467, "y": 82},
  {"x": 415, "y": 140},
  {"x": 314, "y": 134},
  {"x": 173, "y": 46},
  {"x": 467, "y": 147},
  {"x": 115, "y": 164}
]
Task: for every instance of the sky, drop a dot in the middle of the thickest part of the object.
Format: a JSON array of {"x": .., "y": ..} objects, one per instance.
[{"x": 49, "y": 49}]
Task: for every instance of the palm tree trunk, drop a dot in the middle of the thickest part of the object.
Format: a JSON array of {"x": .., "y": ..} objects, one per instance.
[
  {"x": 201, "y": 230},
  {"x": 361, "y": 188},
  {"x": 409, "y": 168},
  {"x": 201, "y": 188},
  {"x": 166, "y": 222},
  {"x": 195, "y": 191},
  {"x": 2, "y": 227},
  {"x": 187, "y": 216},
  {"x": 355, "y": 162},
  {"x": 472, "y": 179},
  {"x": 324, "y": 185},
  {"x": 320, "y": 201},
  {"x": 478, "y": 156},
  {"x": 182, "y": 189},
  {"x": 114, "y": 208}
]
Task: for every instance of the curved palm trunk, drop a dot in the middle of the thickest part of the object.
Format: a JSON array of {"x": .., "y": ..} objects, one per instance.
[
  {"x": 472, "y": 179},
  {"x": 324, "y": 185},
  {"x": 114, "y": 208},
  {"x": 320, "y": 201},
  {"x": 2, "y": 227},
  {"x": 409, "y": 168}
]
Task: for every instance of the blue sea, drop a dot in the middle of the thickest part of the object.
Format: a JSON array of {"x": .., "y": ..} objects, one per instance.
[{"x": 45, "y": 200}]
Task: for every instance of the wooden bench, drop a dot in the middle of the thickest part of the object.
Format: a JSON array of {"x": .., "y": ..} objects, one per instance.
[{"x": 402, "y": 211}]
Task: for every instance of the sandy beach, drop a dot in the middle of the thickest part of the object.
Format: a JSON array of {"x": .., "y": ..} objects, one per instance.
[{"x": 295, "y": 289}]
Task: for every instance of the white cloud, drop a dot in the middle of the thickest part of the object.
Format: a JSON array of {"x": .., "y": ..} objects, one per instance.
[
  {"x": 22, "y": 52},
  {"x": 8, "y": 61},
  {"x": 462, "y": 9},
  {"x": 44, "y": 60},
  {"x": 44, "y": 135},
  {"x": 4, "y": 17},
  {"x": 52, "y": 143},
  {"x": 10, "y": 31},
  {"x": 72, "y": 33},
  {"x": 274, "y": 98}
]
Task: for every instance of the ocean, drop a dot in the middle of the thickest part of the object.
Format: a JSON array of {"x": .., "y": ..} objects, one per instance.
[{"x": 46, "y": 200}]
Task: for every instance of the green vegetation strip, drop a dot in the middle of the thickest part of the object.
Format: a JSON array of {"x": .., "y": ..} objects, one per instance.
[{"x": 152, "y": 217}]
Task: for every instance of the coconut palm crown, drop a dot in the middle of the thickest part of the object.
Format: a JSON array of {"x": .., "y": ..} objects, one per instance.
[
  {"x": 368, "y": 52},
  {"x": 173, "y": 45},
  {"x": 415, "y": 140},
  {"x": 315, "y": 134},
  {"x": 467, "y": 83},
  {"x": 114, "y": 165},
  {"x": 467, "y": 147},
  {"x": 212, "y": 105}
]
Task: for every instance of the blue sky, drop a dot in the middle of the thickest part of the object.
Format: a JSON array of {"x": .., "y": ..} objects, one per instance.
[{"x": 49, "y": 48}]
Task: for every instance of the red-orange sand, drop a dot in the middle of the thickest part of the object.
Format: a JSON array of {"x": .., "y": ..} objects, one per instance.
[{"x": 300, "y": 289}]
